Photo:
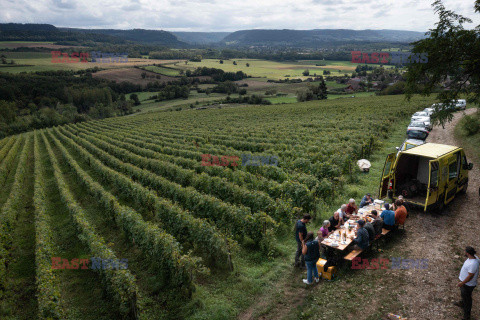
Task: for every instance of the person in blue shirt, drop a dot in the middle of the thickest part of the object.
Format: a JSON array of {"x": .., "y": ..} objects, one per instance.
[
  {"x": 388, "y": 217},
  {"x": 362, "y": 240},
  {"x": 300, "y": 235},
  {"x": 311, "y": 251},
  {"x": 366, "y": 200}
]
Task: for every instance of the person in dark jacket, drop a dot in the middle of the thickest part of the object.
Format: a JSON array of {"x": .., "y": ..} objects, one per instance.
[
  {"x": 366, "y": 200},
  {"x": 311, "y": 251},
  {"x": 377, "y": 222},
  {"x": 362, "y": 240},
  {"x": 371, "y": 231}
]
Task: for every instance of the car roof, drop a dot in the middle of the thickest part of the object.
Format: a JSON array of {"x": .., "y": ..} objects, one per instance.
[
  {"x": 431, "y": 150},
  {"x": 414, "y": 141}
]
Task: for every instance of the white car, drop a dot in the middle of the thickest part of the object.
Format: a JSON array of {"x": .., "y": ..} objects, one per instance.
[
  {"x": 429, "y": 111},
  {"x": 461, "y": 104},
  {"x": 422, "y": 117}
]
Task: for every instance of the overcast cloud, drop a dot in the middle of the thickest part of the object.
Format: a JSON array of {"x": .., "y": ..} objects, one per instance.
[{"x": 232, "y": 15}]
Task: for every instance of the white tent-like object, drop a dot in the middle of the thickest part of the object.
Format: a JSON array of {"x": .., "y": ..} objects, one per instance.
[{"x": 364, "y": 165}]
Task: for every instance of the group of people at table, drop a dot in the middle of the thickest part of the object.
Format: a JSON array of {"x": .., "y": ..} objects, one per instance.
[{"x": 308, "y": 247}]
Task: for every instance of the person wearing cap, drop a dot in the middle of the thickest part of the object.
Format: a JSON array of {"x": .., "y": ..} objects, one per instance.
[
  {"x": 351, "y": 208},
  {"x": 468, "y": 281},
  {"x": 362, "y": 240},
  {"x": 366, "y": 200},
  {"x": 388, "y": 217}
]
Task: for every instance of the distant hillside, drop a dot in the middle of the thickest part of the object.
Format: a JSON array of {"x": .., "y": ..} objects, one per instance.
[
  {"x": 309, "y": 38},
  {"x": 201, "y": 37},
  {"x": 48, "y": 32},
  {"x": 137, "y": 35}
]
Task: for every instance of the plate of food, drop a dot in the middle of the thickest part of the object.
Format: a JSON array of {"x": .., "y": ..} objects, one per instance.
[{"x": 334, "y": 244}]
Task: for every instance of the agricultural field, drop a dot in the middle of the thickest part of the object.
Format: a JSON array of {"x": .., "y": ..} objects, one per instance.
[
  {"x": 275, "y": 70},
  {"x": 191, "y": 238},
  {"x": 162, "y": 70},
  {"x": 42, "y": 61}
]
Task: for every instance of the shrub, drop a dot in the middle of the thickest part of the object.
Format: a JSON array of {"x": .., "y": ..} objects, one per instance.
[{"x": 471, "y": 125}]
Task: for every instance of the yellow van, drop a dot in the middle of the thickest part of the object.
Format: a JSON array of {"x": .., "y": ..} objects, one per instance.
[{"x": 429, "y": 175}]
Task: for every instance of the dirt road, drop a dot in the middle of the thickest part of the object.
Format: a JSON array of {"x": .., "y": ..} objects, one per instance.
[{"x": 441, "y": 239}]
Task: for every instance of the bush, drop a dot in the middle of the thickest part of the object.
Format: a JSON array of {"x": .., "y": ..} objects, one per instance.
[{"x": 471, "y": 124}]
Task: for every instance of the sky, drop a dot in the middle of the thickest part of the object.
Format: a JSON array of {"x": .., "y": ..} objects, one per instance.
[{"x": 232, "y": 15}]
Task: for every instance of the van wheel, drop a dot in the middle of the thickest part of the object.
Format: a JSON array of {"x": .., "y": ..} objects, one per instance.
[
  {"x": 464, "y": 189},
  {"x": 441, "y": 204}
]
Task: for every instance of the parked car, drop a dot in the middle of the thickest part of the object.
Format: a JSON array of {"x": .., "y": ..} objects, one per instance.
[
  {"x": 410, "y": 143},
  {"x": 429, "y": 176},
  {"x": 461, "y": 104},
  {"x": 429, "y": 111},
  {"x": 422, "y": 117},
  {"x": 418, "y": 124},
  {"x": 417, "y": 133}
]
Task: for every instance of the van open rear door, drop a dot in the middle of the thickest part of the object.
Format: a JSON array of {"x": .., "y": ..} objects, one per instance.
[
  {"x": 386, "y": 174},
  {"x": 432, "y": 190}
]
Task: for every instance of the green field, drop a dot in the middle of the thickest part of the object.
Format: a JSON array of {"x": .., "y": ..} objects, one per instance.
[
  {"x": 135, "y": 188},
  {"x": 273, "y": 69},
  {"x": 163, "y": 70}
]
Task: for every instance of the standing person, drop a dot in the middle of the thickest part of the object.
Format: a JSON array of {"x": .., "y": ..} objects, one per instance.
[
  {"x": 300, "y": 235},
  {"x": 351, "y": 208},
  {"x": 366, "y": 200},
  {"x": 362, "y": 240},
  {"x": 388, "y": 217},
  {"x": 311, "y": 250},
  {"x": 468, "y": 281}
]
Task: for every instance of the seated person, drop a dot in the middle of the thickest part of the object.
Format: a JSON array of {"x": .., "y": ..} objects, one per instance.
[
  {"x": 371, "y": 231},
  {"x": 377, "y": 222},
  {"x": 400, "y": 213},
  {"x": 388, "y": 217},
  {"x": 342, "y": 212},
  {"x": 335, "y": 222},
  {"x": 351, "y": 208},
  {"x": 323, "y": 232},
  {"x": 361, "y": 241},
  {"x": 366, "y": 200}
]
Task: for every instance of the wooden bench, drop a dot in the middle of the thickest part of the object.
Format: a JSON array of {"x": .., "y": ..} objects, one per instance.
[{"x": 353, "y": 254}]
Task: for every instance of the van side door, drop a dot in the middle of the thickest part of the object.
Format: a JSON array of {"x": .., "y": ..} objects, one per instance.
[
  {"x": 386, "y": 176},
  {"x": 433, "y": 182},
  {"x": 454, "y": 163}
]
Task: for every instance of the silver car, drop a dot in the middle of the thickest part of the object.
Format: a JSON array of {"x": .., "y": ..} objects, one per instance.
[
  {"x": 418, "y": 124},
  {"x": 422, "y": 117}
]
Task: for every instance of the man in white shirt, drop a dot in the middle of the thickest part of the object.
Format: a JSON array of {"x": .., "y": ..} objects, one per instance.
[
  {"x": 468, "y": 281},
  {"x": 341, "y": 212}
]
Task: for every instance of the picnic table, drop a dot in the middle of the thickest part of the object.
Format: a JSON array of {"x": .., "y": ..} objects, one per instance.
[{"x": 336, "y": 239}]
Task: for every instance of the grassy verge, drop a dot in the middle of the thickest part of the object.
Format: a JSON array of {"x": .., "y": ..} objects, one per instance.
[{"x": 471, "y": 142}]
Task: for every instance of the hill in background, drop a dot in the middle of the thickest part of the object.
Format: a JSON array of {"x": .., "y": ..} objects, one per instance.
[{"x": 317, "y": 37}]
